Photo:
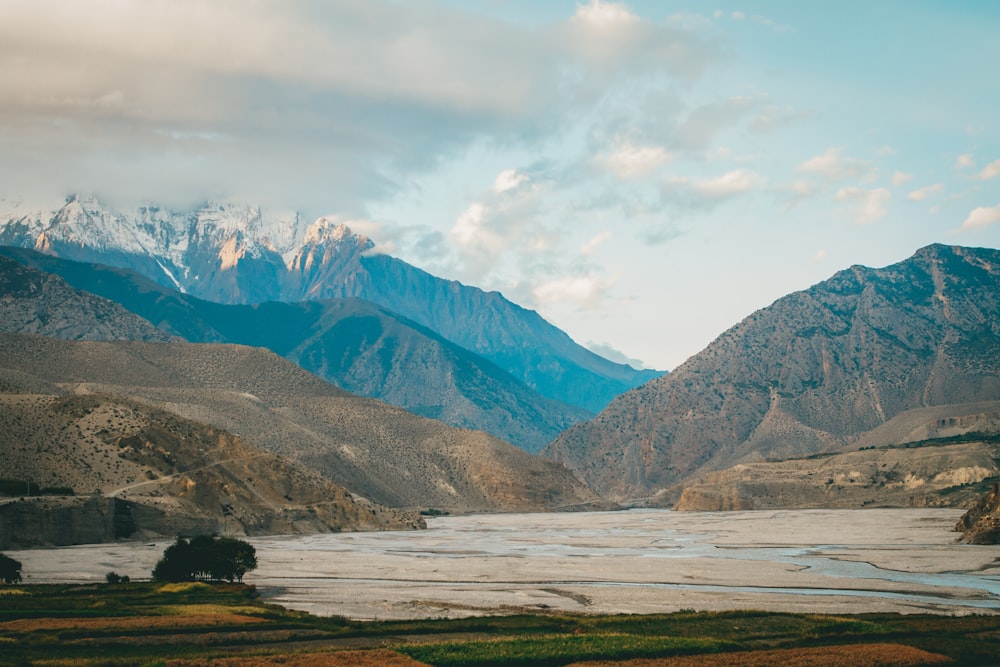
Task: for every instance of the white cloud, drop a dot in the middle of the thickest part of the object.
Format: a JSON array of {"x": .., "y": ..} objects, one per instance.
[
  {"x": 729, "y": 184},
  {"x": 899, "y": 178},
  {"x": 468, "y": 228},
  {"x": 982, "y": 216},
  {"x": 965, "y": 161},
  {"x": 603, "y": 14},
  {"x": 629, "y": 161},
  {"x": 585, "y": 291},
  {"x": 924, "y": 193},
  {"x": 318, "y": 102},
  {"x": 870, "y": 204},
  {"x": 591, "y": 246},
  {"x": 990, "y": 171},
  {"x": 508, "y": 179},
  {"x": 835, "y": 167}
]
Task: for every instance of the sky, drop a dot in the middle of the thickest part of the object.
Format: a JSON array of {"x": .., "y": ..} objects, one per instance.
[{"x": 644, "y": 174}]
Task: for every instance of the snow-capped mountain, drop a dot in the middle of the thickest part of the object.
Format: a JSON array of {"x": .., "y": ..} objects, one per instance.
[{"x": 239, "y": 254}]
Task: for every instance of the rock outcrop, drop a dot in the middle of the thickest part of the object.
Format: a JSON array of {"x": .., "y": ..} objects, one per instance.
[
  {"x": 981, "y": 524},
  {"x": 920, "y": 475}
]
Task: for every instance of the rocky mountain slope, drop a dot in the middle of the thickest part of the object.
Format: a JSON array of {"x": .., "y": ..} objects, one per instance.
[
  {"x": 351, "y": 343},
  {"x": 377, "y": 451},
  {"x": 138, "y": 472},
  {"x": 236, "y": 254},
  {"x": 34, "y": 302},
  {"x": 814, "y": 372}
]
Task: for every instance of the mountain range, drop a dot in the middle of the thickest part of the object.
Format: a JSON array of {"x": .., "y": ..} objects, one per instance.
[
  {"x": 237, "y": 254},
  {"x": 875, "y": 386},
  {"x": 352, "y": 343},
  {"x": 378, "y": 452},
  {"x": 814, "y": 372}
]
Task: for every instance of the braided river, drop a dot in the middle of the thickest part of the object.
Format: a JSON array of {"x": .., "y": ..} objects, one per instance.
[{"x": 637, "y": 561}]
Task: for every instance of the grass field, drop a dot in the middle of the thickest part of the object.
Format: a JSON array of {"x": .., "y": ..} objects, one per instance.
[{"x": 228, "y": 626}]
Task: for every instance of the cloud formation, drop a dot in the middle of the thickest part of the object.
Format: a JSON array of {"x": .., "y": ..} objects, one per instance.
[
  {"x": 990, "y": 171},
  {"x": 303, "y": 103},
  {"x": 869, "y": 204},
  {"x": 925, "y": 192},
  {"x": 833, "y": 166},
  {"x": 982, "y": 216}
]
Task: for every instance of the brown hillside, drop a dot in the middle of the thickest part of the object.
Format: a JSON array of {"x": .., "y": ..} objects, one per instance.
[
  {"x": 140, "y": 472},
  {"x": 383, "y": 453},
  {"x": 814, "y": 372}
]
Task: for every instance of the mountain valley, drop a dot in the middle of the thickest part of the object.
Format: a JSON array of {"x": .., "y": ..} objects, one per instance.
[{"x": 875, "y": 388}]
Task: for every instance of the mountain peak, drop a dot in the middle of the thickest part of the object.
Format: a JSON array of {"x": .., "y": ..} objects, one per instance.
[{"x": 332, "y": 230}]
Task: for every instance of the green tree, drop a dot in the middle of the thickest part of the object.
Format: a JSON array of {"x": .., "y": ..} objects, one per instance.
[
  {"x": 10, "y": 569},
  {"x": 206, "y": 557}
]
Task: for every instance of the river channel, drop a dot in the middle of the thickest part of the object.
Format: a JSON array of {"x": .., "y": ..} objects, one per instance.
[{"x": 639, "y": 561}]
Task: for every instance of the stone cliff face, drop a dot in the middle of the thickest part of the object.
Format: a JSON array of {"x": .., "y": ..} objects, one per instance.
[
  {"x": 981, "y": 524},
  {"x": 813, "y": 372}
]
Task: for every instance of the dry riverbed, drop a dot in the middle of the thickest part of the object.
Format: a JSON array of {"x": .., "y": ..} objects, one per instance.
[{"x": 826, "y": 561}]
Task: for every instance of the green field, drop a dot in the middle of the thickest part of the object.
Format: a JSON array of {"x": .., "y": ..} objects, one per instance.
[{"x": 200, "y": 624}]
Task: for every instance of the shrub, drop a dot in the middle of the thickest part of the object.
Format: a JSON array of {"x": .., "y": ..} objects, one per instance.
[
  {"x": 115, "y": 578},
  {"x": 206, "y": 557},
  {"x": 10, "y": 569}
]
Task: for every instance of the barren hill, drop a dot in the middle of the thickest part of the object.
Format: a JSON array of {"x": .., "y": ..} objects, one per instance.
[
  {"x": 814, "y": 372},
  {"x": 133, "y": 471},
  {"x": 386, "y": 454}
]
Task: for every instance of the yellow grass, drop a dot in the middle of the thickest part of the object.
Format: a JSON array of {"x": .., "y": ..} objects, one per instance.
[
  {"x": 374, "y": 658},
  {"x": 126, "y": 623},
  {"x": 853, "y": 655}
]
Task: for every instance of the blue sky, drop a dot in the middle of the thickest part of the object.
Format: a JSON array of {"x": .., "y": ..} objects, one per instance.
[{"x": 645, "y": 174}]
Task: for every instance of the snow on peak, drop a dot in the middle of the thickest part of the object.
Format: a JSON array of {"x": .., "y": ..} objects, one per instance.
[{"x": 332, "y": 230}]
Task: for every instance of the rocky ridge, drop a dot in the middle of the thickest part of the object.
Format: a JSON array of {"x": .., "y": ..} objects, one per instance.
[{"x": 814, "y": 372}]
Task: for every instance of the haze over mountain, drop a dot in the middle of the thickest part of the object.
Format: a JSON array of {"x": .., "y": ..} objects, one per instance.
[
  {"x": 356, "y": 345},
  {"x": 382, "y": 453},
  {"x": 235, "y": 254},
  {"x": 813, "y": 372}
]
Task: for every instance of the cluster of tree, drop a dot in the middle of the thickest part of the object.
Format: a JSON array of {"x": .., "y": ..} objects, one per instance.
[
  {"x": 10, "y": 569},
  {"x": 206, "y": 558}
]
